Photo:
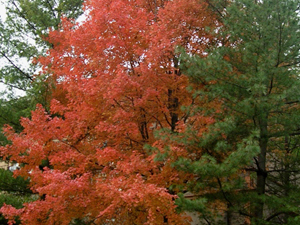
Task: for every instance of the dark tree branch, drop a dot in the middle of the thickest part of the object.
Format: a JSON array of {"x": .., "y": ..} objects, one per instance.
[{"x": 15, "y": 66}]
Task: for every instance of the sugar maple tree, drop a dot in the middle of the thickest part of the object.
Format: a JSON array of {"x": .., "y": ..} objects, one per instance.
[{"x": 116, "y": 81}]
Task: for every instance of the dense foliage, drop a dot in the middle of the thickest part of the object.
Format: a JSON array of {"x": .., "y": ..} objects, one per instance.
[
  {"x": 153, "y": 99},
  {"x": 22, "y": 34},
  {"x": 249, "y": 157},
  {"x": 117, "y": 81}
]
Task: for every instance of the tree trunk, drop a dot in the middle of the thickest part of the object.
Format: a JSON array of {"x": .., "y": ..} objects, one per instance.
[
  {"x": 173, "y": 107},
  {"x": 261, "y": 167}
]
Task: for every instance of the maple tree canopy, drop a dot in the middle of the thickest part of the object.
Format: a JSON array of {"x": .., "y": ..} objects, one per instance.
[{"x": 116, "y": 83}]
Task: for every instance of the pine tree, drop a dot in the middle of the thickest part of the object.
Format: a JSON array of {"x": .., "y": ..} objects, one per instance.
[{"x": 247, "y": 161}]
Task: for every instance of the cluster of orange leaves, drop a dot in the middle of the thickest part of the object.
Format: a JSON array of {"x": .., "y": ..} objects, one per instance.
[{"x": 113, "y": 74}]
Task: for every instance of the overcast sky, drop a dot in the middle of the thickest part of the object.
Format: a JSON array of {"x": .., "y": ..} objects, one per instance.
[{"x": 2, "y": 10}]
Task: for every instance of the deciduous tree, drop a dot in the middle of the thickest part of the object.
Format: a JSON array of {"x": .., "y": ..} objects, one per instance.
[
  {"x": 21, "y": 40},
  {"x": 117, "y": 81}
]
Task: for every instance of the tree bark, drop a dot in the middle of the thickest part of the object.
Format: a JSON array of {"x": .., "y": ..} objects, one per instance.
[
  {"x": 173, "y": 107},
  {"x": 261, "y": 166}
]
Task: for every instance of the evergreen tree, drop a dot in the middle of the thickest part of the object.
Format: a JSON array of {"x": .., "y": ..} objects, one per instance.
[{"x": 247, "y": 161}]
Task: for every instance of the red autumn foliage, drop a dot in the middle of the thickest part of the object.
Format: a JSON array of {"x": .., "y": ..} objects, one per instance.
[{"x": 117, "y": 82}]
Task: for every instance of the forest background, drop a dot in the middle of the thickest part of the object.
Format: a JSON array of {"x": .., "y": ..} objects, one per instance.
[{"x": 144, "y": 101}]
